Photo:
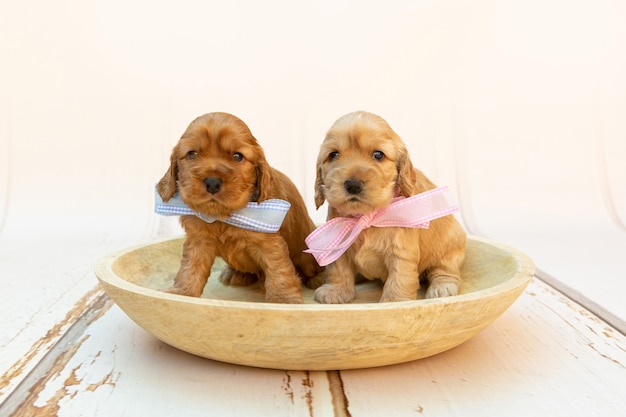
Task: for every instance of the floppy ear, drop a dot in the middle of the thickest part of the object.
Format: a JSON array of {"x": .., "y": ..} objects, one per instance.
[
  {"x": 263, "y": 180},
  {"x": 407, "y": 181},
  {"x": 319, "y": 187},
  {"x": 167, "y": 185}
]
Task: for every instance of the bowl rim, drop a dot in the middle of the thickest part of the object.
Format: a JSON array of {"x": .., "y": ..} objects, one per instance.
[{"x": 524, "y": 274}]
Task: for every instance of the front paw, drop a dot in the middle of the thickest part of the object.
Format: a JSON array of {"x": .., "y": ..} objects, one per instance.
[
  {"x": 442, "y": 287},
  {"x": 334, "y": 294},
  {"x": 234, "y": 278},
  {"x": 315, "y": 282},
  {"x": 390, "y": 299},
  {"x": 178, "y": 291},
  {"x": 285, "y": 299}
]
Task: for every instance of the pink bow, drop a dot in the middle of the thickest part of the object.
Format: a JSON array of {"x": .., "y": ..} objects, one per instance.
[{"x": 329, "y": 241}]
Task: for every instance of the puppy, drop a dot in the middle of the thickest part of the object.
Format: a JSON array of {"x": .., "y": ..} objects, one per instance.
[
  {"x": 218, "y": 167},
  {"x": 362, "y": 165}
]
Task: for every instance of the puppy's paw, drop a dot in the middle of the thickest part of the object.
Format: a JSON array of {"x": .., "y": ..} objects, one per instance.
[
  {"x": 178, "y": 291},
  {"x": 333, "y": 294},
  {"x": 443, "y": 287},
  {"x": 315, "y": 282},
  {"x": 234, "y": 278},
  {"x": 390, "y": 299},
  {"x": 307, "y": 266},
  {"x": 294, "y": 299}
]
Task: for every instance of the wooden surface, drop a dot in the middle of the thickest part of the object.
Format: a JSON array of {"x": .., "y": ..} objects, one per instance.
[
  {"x": 78, "y": 354},
  {"x": 544, "y": 356}
]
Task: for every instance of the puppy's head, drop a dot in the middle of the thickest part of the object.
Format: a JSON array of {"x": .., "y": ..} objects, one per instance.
[
  {"x": 362, "y": 165},
  {"x": 217, "y": 166}
]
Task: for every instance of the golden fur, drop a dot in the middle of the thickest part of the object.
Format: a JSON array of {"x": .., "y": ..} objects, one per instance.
[
  {"x": 221, "y": 148},
  {"x": 362, "y": 165}
]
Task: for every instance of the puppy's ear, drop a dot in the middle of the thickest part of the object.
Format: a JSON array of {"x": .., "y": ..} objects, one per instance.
[
  {"x": 263, "y": 181},
  {"x": 319, "y": 187},
  {"x": 167, "y": 185},
  {"x": 407, "y": 181}
]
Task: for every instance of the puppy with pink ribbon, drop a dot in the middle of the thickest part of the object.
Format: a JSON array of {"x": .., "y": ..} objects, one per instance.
[{"x": 386, "y": 219}]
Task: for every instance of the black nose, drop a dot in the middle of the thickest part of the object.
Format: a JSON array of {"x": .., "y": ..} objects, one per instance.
[
  {"x": 353, "y": 186},
  {"x": 212, "y": 185}
]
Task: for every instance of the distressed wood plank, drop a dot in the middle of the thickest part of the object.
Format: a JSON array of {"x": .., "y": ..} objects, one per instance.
[
  {"x": 47, "y": 278},
  {"x": 116, "y": 368},
  {"x": 545, "y": 356}
]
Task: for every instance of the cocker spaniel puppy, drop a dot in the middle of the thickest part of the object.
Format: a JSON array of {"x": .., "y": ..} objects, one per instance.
[
  {"x": 362, "y": 166},
  {"x": 216, "y": 169}
]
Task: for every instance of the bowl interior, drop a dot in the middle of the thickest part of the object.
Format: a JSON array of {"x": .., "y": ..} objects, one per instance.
[{"x": 154, "y": 266}]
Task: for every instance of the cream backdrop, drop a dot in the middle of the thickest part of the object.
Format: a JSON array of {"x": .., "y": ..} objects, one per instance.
[{"x": 519, "y": 106}]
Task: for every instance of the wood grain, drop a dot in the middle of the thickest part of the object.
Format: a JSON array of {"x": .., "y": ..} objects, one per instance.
[{"x": 232, "y": 325}]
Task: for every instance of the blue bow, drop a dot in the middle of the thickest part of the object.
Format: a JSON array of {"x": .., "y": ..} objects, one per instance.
[{"x": 266, "y": 217}]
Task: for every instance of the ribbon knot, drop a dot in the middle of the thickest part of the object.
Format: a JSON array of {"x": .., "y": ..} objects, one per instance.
[
  {"x": 266, "y": 216},
  {"x": 329, "y": 241}
]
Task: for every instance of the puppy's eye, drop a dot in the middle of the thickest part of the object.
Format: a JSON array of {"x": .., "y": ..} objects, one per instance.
[
  {"x": 378, "y": 155},
  {"x": 192, "y": 154},
  {"x": 238, "y": 157},
  {"x": 333, "y": 155}
]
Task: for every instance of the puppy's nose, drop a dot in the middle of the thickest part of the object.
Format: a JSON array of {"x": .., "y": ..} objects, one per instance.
[
  {"x": 212, "y": 185},
  {"x": 353, "y": 186}
]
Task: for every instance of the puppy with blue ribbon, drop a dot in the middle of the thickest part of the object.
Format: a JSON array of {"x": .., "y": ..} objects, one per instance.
[{"x": 234, "y": 205}]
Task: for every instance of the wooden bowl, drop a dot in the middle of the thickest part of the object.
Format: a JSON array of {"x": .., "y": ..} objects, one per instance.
[{"x": 234, "y": 325}]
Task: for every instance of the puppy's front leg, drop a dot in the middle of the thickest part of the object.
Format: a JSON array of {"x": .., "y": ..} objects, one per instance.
[
  {"x": 443, "y": 283},
  {"x": 445, "y": 276},
  {"x": 195, "y": 268},
  {"x": 339, "y": 287},
  {"x": 403, "y": 281},
  {"x": 282, "y": 284}
]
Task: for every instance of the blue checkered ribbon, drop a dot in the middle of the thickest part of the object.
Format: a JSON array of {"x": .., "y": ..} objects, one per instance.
[{"x": 266, "y": 216}]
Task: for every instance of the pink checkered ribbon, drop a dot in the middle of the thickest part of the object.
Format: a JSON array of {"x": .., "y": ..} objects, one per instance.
[{"x": 329, "y": 241}]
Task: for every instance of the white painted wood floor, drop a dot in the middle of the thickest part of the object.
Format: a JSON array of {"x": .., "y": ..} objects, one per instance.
[{"x": 546, "y": 356}]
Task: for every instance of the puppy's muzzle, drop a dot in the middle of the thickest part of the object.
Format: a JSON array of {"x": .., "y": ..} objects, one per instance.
[
  {"x": 353, "y": 186},
  {"x": 212, "y": 185}
]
